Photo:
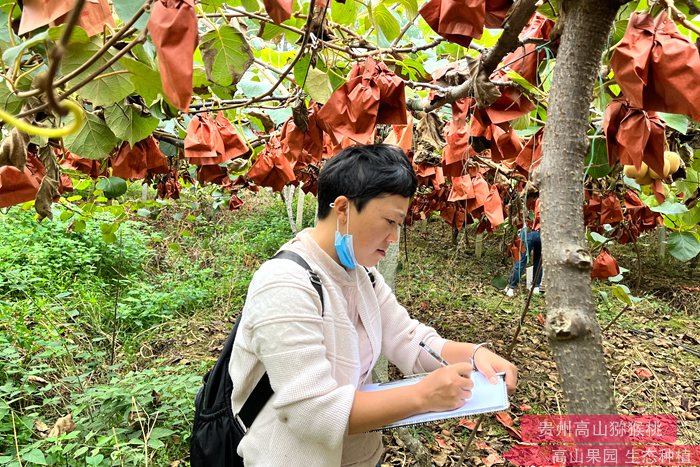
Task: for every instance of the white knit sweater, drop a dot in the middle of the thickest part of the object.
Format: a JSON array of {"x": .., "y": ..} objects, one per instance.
[{"x": 313, "y": 362}]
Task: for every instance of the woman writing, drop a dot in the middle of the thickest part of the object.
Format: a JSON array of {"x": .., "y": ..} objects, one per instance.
[{"x": 318, "y": 356}]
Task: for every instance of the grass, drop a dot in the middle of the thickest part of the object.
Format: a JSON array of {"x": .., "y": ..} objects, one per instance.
[{"x": 99, "y": 330}]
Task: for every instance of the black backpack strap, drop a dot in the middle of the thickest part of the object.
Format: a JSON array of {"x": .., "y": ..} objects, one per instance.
[
  {"x": 372, "y": 279},
  {"x": 263, "y": 391},
  {"x": 313, "y": 277}
]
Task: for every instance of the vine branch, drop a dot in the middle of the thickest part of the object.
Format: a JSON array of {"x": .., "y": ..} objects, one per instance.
[
  {"x": 124, "y": 31},
  {"x": 57, "y": 55},
  {"x": 679, "y": 16}
]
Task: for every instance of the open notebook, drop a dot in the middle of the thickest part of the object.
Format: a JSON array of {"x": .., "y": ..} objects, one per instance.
[{"x": 486, "y": 398}]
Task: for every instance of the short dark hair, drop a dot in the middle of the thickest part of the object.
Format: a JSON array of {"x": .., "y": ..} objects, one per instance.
[{"x": 364, "y": 172}]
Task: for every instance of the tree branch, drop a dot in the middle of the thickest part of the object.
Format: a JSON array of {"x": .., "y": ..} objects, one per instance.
[
  {"x": 519, "y": 15},
  {"x": 290, "y": 67},
  {"x": 404, "y": 30},
  {"x": 679, "y": 16}
]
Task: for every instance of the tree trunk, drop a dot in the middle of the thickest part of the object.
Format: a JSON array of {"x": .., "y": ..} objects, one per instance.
[
  {"x": 301, "y": 196},
  {"x": 571, "y": 326},
  {"x": 661, "y": 244},
  {"x": 288, "y": 198},
  {"x": 479, "y": 245}
]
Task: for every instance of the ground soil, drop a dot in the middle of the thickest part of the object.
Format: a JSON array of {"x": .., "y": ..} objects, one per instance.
[{"x": 652, "y": 350}]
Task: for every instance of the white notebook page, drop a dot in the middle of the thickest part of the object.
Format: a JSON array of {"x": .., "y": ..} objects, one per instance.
[{"x": 486, "y": 398}]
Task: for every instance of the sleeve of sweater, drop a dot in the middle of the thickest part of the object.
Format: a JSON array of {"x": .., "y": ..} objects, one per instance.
[
  {"x": 401, "y": 334},
  {"x": 286, "y": 332}
]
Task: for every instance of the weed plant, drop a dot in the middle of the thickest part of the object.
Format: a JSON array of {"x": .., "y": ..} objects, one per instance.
[{"x": 75, "y": 312}]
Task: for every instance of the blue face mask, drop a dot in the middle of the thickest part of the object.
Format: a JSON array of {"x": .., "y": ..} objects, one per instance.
[{"x": 343, "y": 247}]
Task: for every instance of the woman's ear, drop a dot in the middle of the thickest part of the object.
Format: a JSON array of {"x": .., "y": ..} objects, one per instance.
[{"x": 340, "y": 207}]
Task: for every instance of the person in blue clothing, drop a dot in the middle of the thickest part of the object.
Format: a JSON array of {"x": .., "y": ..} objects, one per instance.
[
  {"x": 533, "y": 249},
  {"x": 530, "y": 238}
]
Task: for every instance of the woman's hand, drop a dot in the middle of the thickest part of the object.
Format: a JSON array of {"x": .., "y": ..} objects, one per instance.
[
  {"x": 488, "y": 363},
  {"x": 446, "y": 388}
]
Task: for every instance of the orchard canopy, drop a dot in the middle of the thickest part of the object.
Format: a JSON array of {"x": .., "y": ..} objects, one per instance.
[{"x": 246, "y": 94}]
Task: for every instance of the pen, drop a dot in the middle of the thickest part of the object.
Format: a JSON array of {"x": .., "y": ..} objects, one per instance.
[{"x": 433, "y": 353}]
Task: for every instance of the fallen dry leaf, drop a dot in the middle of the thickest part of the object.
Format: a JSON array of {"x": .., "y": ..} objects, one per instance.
[
  {"x": 481, "y": 444},
  {"x": 440, "y": 459},
  {"x": 63, "y": 425},
  {"x": 507, "y": 422},
  {"x": 467, "y": 423},
  {"x": 504, "y": 418},
  {"x": 643, "y": 373},
  {"x": 41, "y": 427},
  {"x": 493, "y": 459},
  {"x": 37, "y": 380}
]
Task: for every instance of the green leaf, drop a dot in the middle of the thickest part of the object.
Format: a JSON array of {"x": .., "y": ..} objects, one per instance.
[
  {"x": 65, "y": 215},
  {"x": 622, "y": 294},
  {"x": 127, "y": 9},
  {"x": 344, "y": 13},
  {"x": 250, "y": 5},
  {"x": 79, "y": 225},
  {"x": 499, "y": 282},
  {"x": 8, "y": 101},
  {"x": 109, "y": 228},
  {"x": 95, "y": 460},
  {"x": 279, "y": 116},
  {"x": 146, "y": 80},
  {"x": 596, "y": 160},
  {"x": 277, "y": 59},
  {"x": 35, "y": 456},
  {"x": 128, "y": 124},
  {"x": 692, "y": 217},
  {"x": 112, "y": 187},
  {"x": 301, "y": 67},
  {"x": 211, "y": 6},
  {"x": 271, "y": 31},
  {"x": 103, "y": 91},
  {"x": 631, "y": 182},
  {"x": 598, "y": 238},
  {"x": 618, "y": 31},
  {"x": 83, "y": 184},
  {"x": 518, "y": 79},
  {"x": 251, "y": 88},
  {"x": 80, "y": 451},
  {"x": 226, "y": 55},
  {"x": 670, "y": 208},
  {"x": 4, "y": 409},
  {"x": 155, "y": 443},
  {"x": 410, "y": 6},
  {"x": 318, "y": 86},
  {"x": 77, "y": 35},
  {"x": 5, "y": 32},
  {"x": 11, "y": 54},
  {"x": 683, "y": 246},
  {"x": 160, "y": 432},
  {"x": 93, "y": 141},
  {"x": 675, "y": 121},
  {"x": 414, "y": 68},
  {"x": 386, "y": 22}
]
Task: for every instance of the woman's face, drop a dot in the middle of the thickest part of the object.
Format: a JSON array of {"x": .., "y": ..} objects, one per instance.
[{"x": 376, "y": 227}]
